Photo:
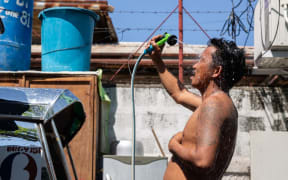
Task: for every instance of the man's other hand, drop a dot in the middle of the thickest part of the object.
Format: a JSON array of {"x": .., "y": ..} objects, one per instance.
[{"x": 175, "y": 140}]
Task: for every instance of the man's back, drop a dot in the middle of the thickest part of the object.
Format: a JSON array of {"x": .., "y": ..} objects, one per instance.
[{"x": 211, "y": 129}]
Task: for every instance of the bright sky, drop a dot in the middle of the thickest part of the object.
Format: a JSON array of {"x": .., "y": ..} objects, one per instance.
[{"x": 142, "y": 17}]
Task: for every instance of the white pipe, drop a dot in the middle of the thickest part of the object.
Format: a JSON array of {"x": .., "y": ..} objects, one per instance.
[{"x": 285, "y": 13}]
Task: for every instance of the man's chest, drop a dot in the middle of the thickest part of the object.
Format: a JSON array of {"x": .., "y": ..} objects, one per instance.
[{"x": 190, "y": 132}]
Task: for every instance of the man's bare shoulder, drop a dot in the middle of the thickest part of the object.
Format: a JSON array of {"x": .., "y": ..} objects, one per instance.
[
  {"x": 218, "y": 103},
  {"x": 218, "y": 98}
]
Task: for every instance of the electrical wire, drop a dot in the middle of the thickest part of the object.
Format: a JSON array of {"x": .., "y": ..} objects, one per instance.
[
  {"x": 277, "y": 28},
  {"x": 233, "y": 24},
  {"x": 275, "y": 35},
  {"x": 237, "y": 4},
  {"x": 165, "y": 29},
  {"x": 167, "y": 12},
  {"x": 143, "y": 44},
  {"x": 261, "y": 31},
  {"x": 123, "y": 29},
  {"x": 196, "y": 22},
  {"x": 249, "y": 10},
  {"x": 149, "y": 37}
]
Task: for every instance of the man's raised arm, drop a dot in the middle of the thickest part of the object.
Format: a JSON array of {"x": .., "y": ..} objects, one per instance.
[{"x": 174, "y": 87}]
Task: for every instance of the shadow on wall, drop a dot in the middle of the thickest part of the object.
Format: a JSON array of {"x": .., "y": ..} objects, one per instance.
[
  {"x": 247, "y": 124},
  {"x": 111, "y": 91},
  {"x": 285, "y": 104},
  {"x": 273, "y": 100}
]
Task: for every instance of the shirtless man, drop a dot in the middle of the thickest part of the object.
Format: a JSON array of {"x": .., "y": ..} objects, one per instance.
[{"x": 203, "y": 150}]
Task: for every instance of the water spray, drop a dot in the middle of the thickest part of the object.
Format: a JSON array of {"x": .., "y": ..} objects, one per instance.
[{"x": 171, "y": 40}]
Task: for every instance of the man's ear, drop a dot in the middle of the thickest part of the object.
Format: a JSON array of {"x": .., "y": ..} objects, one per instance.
[{"x": 217, "y": 71}]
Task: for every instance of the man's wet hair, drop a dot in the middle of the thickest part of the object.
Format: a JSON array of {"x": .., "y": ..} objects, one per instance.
[{"x": 231, "y": 58}]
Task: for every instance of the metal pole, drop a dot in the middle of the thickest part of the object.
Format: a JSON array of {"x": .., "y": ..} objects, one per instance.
[
  {"x": 46, "y": 152},
  {"x": 72, "y": 162},
  {"x": 158, "y": 143},
  {"x": 62, "y": 154},
  {"x": 180, "y": 20}
]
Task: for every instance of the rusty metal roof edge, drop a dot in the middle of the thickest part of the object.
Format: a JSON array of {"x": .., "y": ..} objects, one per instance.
[
  {"x": 31, "y": 72},
  {"x": 40, "y": 5},
  {"x": 131, "y": 47}
]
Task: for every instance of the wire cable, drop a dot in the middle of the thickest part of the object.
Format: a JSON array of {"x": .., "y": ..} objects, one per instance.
[
  {"x": 123, "y": 29},
  {"x": 275, "y": 35},
  {"x": 261, "y": 31},
  {"x": 164, "y": 29},
  {"x": 196, "y": 23},
  {"x": 167, "y": 12},
  {"x": 249, "y": 9},
  {"x": 149, "y": 37},
  {"x": 233, "y": 24},
  {"x": 277, "y": 28}
]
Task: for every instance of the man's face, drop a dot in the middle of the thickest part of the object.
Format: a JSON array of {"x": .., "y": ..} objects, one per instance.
[{"x": 203, "y": 69}]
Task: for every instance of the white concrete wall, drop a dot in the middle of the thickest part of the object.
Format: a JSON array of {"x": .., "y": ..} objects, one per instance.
[{"x": 263, "y": 109}]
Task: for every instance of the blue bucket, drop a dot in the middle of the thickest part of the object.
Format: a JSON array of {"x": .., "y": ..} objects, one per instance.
[
  {"x": 15, "y": 34},
  {"x": 66, "y": 38}
]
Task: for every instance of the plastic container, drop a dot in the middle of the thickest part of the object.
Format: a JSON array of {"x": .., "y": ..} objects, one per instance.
[
  {"x": 66, "y": 38},
  {"x": 16, "y": 34}
]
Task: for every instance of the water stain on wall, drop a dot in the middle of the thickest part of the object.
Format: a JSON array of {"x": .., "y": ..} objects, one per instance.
[{"x": 247, "y": 124}]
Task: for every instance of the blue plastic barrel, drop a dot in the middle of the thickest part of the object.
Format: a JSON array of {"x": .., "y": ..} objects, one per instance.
[
  {"x": 15, "y": 34},
  {"x": 66, "y": 38}
]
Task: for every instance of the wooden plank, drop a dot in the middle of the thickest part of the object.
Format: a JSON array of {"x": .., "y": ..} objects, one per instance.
[
  {"x": 11, "y": 81},
  {"x": 84, "y": 145},
  {"x": 95, "y": 105}
]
